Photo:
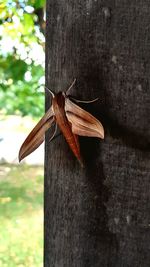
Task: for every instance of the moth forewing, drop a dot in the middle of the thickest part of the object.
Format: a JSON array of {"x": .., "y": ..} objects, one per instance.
[
  {"x": 84, "y": 128},
  {"x": 83, "y": 123},
  {"x": 37, "y": 135}
]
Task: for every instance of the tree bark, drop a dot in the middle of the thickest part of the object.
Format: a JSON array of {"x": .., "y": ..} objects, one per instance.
[{"x": 99, "y": 215}]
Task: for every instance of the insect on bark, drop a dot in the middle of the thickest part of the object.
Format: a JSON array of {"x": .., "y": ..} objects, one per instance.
[{"x": 72, "y": 120}]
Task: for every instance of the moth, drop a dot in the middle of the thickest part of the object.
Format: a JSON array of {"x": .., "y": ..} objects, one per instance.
[{"x": 72, "y": 120}]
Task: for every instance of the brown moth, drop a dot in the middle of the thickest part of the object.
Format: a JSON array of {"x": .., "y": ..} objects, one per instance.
[{"x": 72, "y": 120}]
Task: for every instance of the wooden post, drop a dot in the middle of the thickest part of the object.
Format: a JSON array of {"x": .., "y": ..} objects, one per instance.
[{"x": 100, "y": 216}]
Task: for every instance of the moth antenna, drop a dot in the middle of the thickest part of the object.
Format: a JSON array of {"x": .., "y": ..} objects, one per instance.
[
  {"x": 82, "y": 101},
  {"x": 50, "y": 91},
  {"x": 53, "y": 136},
  {"x": 71, "y": 86}
]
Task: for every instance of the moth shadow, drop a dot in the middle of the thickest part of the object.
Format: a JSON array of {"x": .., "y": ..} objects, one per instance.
[
  {"x": 99, "y": 194},
  {"x": 114, "y": 130},
  {"x": 96, "y": 78},
  {"x": 90, "y": 149},
  {"x": 128, "y": 137}
]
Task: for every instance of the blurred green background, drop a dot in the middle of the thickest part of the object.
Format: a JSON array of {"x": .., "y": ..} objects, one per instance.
[
  {"x": 22, "y": 42},
  {"x": 21, "y": 216}
]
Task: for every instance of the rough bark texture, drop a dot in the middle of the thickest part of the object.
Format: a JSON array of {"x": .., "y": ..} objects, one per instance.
[{"x": 100, "y": 216}]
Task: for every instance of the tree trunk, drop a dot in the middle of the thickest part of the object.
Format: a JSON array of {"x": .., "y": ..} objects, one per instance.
[{"x": 99, "y": 215}]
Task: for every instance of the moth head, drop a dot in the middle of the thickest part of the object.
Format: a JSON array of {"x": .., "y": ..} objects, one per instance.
[
  {"x": 59, "y": 100},
  {"x": 65, "y": 94}
]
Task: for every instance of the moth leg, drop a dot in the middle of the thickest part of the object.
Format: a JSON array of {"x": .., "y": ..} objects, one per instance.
[
  {"x": 71, "y": 86},
  {"x": 86, "y": 102},
  {"x": 54, "y": 136}
]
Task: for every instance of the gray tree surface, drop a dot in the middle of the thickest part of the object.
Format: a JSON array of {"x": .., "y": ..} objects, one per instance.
[{"x": 99, "y": 215}]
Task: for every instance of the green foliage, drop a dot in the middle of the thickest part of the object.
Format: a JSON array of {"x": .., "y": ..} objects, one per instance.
[
  {"x": 22, "y": 57},
  {"x": 21, "y": 216},
  {"x": 16, "y": 93},
  {"x": 36, "y": 3}
]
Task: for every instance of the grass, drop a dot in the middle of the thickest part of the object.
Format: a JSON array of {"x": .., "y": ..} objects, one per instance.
[{"x": 21, "y": 216}]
